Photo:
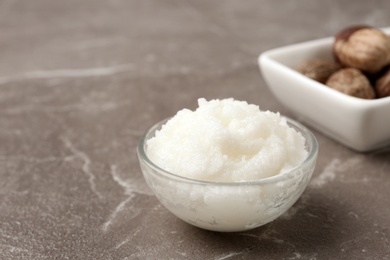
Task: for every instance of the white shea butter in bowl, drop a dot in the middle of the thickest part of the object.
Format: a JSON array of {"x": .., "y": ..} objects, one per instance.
[{"x": 227, "y": 166}]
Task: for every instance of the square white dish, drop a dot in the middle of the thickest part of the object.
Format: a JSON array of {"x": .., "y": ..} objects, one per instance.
[{"x": 360, "y": 124}]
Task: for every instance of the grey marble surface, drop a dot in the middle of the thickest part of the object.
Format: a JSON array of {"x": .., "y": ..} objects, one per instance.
[{"x": 80, "y": 81}]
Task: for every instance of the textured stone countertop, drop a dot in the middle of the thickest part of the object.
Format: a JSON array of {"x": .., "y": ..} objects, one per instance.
[{"x": 80, "y": 82}]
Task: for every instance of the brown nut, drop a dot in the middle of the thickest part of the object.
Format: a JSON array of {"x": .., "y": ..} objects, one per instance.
[
  {"x": 382, "y": 86},
  {"x": 352, "y": 82},
  {"x": 318, "y": 70},
  {"x": 362, "y": 47}
]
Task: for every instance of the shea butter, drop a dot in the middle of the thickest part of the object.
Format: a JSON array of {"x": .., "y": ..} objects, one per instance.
[{"x": 226, "y": 141}]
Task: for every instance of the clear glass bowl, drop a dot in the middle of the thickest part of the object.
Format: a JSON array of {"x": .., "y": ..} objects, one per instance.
[{"x": 229, "y": 206}]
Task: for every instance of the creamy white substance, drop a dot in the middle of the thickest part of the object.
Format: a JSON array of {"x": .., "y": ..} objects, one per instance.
[{"x": 226, "y": 140}]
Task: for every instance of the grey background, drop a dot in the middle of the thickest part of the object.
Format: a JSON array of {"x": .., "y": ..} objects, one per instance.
[{"x": 80, "y": 81}]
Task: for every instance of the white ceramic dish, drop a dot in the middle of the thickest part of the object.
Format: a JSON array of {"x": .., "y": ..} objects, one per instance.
[{"x": 360, "y": 124}]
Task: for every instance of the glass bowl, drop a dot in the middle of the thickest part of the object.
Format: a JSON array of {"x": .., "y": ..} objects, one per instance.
[{"x": 228, "y": 206}]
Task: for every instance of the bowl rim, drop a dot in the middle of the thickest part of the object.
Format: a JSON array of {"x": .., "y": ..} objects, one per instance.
[{"x": 306, "y": 133}]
